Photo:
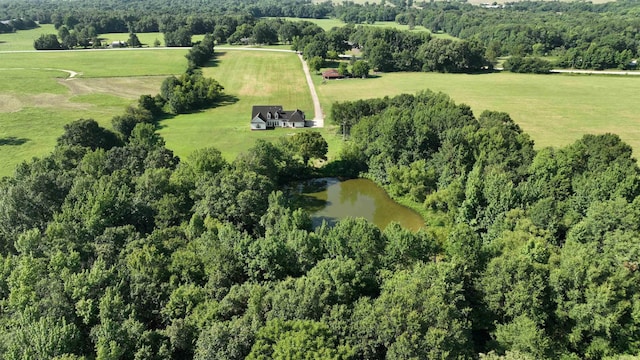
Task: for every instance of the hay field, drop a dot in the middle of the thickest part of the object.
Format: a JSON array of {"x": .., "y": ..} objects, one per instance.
[{"x": 23, "y": 40}]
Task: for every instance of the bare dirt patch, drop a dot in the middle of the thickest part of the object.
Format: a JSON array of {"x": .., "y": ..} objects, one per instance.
[
  {"x": 129, "y": 87},
  {"x": 10, "y": 103}
]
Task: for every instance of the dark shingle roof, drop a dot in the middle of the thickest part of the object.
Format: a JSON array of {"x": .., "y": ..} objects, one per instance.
[{"x": 263, "y": 110}]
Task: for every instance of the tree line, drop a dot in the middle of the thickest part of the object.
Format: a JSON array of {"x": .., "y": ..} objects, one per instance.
[
  {"x": 537, "y": 229},
  {"x": 582, "y": 35},
  {"x": 15, "y": 24},
  {"x": 579, "y": 35}
]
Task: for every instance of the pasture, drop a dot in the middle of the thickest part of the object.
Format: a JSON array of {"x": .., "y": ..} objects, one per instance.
[
  {"x": 555, "y": 110},
  {"x": 103, "y": 62},
  {"x": 23, "y": 40},
  {"x": 37, "y": 101}
]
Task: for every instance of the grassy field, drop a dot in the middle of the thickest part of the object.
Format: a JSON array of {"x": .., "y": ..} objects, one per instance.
[
  {"x": 554, "y": 109},
  {"x": 328, "y": 24},
  {"x": 102, "y": 63},
  {"x": 35, "y": 103},
  {"x": 23, "y": 40},
  {"x": 251, "y": 78}
]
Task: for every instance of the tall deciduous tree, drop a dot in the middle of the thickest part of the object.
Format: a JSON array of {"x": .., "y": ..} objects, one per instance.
[
  {"x": 87, "y": 133},
  {"x": 316, "y": 63},
  {"x": 309, "y": 145},
  {"x": 47, "y": 42},
  {"x": 360, "y": 69}
]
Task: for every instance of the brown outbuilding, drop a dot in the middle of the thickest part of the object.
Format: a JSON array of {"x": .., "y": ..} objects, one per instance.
[{"x": 331, "y": 74}]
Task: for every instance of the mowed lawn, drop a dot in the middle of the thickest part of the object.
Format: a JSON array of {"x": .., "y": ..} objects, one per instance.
[
  {"x": 555, "y": 110},
  {"x": 102, "y": 62},
  {"x": 249, "y": 78}
]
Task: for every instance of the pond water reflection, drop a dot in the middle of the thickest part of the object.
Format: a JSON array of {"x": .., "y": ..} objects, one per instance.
[{"x": 330, "y": 199}]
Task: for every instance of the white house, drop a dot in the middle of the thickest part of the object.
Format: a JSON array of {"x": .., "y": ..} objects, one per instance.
[{"x": 272, "y": 116}]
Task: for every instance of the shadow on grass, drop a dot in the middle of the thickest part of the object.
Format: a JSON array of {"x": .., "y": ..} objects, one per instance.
[
  {"x": 12, "y": 141},
  {"x": 227, "y": 99},
  {"x": 214, "y": 62},
  {"x": 484, "y": 72},
  {"x": 224, "y": 100}
]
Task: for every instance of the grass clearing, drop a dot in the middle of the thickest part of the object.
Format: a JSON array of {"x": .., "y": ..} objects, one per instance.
[
  {"x": 252, "y": 78},
  {"x": 35, "y": 104},
  {"x": 23, "y": 39},
  {"x": 328, "y": 24},
  {"x": 31, "y": 81},
  {"x": 32, "y": 132},
  {"x": 124, "y": 87},
  {"x": 555, "y": 110},
  {"x": 102, "y": 63}
]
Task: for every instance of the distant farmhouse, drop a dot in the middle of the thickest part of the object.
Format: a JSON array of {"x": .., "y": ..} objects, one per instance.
[{"x": 271, "y": 117}]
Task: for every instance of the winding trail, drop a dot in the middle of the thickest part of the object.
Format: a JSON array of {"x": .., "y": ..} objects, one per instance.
[{"x": 72, "y": 74}]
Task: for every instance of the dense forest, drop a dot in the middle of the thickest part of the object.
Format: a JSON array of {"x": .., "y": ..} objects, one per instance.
[
  {"x": 113, "y": 248},
  {"x": 576, "y": 34}
]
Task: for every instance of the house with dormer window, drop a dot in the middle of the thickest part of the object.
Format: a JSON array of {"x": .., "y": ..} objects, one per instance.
[{"x": 273, "y": 116}]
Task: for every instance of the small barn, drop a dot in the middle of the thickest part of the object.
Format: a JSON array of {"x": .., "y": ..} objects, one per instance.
[{"x": 331, "y": 74}]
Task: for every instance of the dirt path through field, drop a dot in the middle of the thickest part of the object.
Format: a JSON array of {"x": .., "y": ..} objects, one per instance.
[
  {"x": 318, "y": 120},
  {"x": 72, "y": 74}
]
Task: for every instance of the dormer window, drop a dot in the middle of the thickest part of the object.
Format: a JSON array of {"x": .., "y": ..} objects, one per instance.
[
  {"x": 277, "y": 115},
  {"x": 268, "y": 115}
]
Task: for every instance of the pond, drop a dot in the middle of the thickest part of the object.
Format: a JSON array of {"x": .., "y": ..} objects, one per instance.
[{"x": 330, "y": 199}]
